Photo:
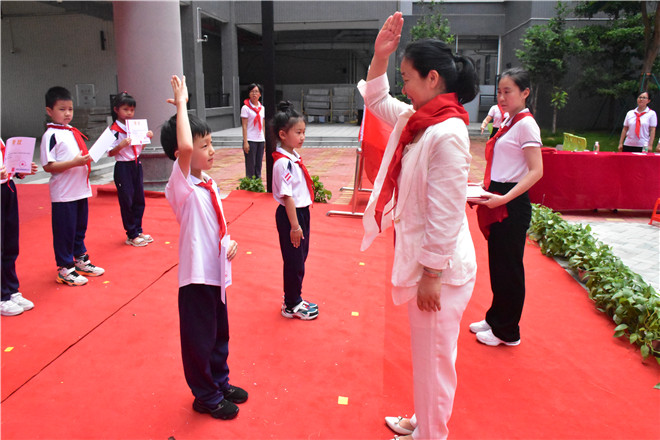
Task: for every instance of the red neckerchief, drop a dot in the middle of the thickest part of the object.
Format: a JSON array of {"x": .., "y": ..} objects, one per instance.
[
  {"x": 439, "y": 109},
  {"x": 310, "y": 184},
  {"x": 216, "y": 207},
  {"x": 79, "y": 140},
  {"x": 501, "y": 113},
  {"x": 638, "y": 122},
  {"x": 257, "y": 110},
  {"x": 490, "y": 145},
  {"x": 118, "y": 129}
]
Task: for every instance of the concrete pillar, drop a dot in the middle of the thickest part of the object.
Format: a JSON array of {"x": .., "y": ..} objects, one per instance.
[{"x": 148, "y": 46}]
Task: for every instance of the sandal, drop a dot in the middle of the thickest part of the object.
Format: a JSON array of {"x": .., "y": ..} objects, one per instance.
[
  {"x": 393, "y": 424},
  {"x": 137, "y": 241},
  {"x": 146, "y": 237}
]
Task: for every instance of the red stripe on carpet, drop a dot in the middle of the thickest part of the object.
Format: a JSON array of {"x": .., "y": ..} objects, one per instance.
[{"x": 105, "y": 358}]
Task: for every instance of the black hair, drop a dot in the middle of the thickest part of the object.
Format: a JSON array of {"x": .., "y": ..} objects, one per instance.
[
  {"x": 521, "y": 79},
  {"x": 168, "y": 138},
  {"x": 252, "y": 86},
  {"x": 650, "y": 95},
  {"x": 55, "y": 94},
  {"x": 121, "y": 99},
  {"x": 457, "y": 71},
  {"x": 285, "y": 118}
]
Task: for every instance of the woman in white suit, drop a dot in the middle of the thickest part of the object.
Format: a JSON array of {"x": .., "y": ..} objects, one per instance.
[{"x": 421, "y": 190}]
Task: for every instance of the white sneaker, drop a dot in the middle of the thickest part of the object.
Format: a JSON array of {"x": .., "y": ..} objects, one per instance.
[
  {"x": 480, "y": 326},
  {"x": 70, "y": 276},
  {"x": 487, "y": 337},
  {"x": 25, "y": 304},
  {"x": 85, "y": 267},
  {"x": 10, "y": 308}
]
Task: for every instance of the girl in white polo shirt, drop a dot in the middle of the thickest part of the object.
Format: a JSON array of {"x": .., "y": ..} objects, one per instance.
[
  {"x": 294, "y": 191},
  {"x": 513, "y": 165},
  {"x": 639, "y": 127},
  {"x": 254, "y": 141}
]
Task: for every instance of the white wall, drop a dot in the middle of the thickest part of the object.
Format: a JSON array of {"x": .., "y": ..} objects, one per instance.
[{"x": 42, "y": 51}]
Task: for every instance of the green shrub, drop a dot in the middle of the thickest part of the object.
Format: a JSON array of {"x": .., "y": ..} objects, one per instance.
[
  {"x": 253, "y": 184},
  {"x": 623, "y": 295},
  {"x": 321, "y": 195}
]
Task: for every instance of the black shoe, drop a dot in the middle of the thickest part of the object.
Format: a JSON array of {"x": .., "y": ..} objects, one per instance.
[
  {"x": 226, "y": 410},
  {"x": 235, "y": 394}
]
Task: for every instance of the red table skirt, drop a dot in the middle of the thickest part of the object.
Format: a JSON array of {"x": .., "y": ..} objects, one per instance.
[{"x": 605, "y": 180}]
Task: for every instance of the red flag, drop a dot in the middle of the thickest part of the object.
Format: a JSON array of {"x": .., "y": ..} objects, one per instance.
[{"x": 374, "y": 135}]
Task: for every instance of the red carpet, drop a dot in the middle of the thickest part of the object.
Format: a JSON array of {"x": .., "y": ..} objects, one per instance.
[{"x": 102, "y": 361}]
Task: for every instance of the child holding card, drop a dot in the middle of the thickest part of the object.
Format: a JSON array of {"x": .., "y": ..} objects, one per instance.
[
  {"x": 64, "y": 155},
  {"x": 128, "y": 171},
  {"x": 12, "y": 303}
]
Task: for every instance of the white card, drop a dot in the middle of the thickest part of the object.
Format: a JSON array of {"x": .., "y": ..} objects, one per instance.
[
  {"x": 137, "y": 131},
  {"x": 476, "y": 192},
  {"x": 18, "y": 155},
  {"x": 102, "y": 145}
]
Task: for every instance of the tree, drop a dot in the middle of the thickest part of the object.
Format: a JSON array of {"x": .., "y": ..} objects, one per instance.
[
  {"x": 432, "y": 24},
  {"x": 544, "y": 54}
]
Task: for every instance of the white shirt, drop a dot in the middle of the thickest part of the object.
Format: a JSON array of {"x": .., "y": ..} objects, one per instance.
[
  {"x": 289, "y": 180},
  {"x": 648, "y": 119},
  {"x": 58, "y": 145},
  {"x": 253, "y": 132},
  {"x": 429, "y": 219},
  {"x": 125, "y": 154},
  {"x": 199, "y": 256},
  {"x": 497, "y": 116},
  {"x": 509, "y": 164}
]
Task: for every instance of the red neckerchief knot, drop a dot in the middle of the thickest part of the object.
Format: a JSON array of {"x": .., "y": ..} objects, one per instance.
[
  {"x": 79, "y": 140},
  {"x": 118, "y": 129},
  {"x": 638, "y": 122},
  {"x": 439, "y": 109},
  {"x": 490, "y": 145},
  {"x": 308, "y": 179},
  {"x": 257, "y": 110},
  {"x": 222, "y": 227}
]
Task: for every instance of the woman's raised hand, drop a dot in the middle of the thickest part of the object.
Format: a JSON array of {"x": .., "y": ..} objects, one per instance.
[{"x": 388, "y": 38}]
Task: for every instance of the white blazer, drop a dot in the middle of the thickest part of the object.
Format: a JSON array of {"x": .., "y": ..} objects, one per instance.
[{"x": 429, "y": 219}]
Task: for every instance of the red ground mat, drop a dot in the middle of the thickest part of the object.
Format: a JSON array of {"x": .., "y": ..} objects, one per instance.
[{"x": 103, "y": 360}]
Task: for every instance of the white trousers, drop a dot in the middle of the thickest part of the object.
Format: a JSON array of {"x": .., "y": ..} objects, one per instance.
[{"x": 434, "y": 338}]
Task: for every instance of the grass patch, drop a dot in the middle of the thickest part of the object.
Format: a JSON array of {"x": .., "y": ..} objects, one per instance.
[{"x": 607, "y": 141}]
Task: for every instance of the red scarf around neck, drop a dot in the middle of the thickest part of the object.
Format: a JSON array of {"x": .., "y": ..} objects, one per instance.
[
  {"x": 308, "y": 179},
  {"x": 439, "y": 109},
  {"x": 490, "y": 145},
  {"x": 222, "y": 227},
  {"x": 638, "y": 121},
  {"x": 118, "y": 129},
  {"x": 79, "y": 140},
  {"x": 257, "y": 110}
]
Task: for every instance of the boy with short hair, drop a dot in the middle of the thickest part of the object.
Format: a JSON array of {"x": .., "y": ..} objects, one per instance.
[
  {"x": 64, "y": 155},
  {"x": 203, "y": 323}
]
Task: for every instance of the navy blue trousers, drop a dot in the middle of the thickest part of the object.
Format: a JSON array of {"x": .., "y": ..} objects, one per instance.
[
  {"x": 130, "y": 193},
  {"x": 69, "y": 221},
  {"x": 506, "y": 247},
  {"x": 254, "y": 159},
  {"x": 204, "y": 331},
  {"x": 9, "y": 239},
  {"x": 293, "y": 258}
]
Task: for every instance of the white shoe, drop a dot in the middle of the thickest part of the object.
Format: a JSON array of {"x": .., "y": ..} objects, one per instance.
[
  {"x": 25, "y": 304},
  {"x": 10, "y": 308},
  {"x": 480, "y": 326},
  {"x": 70, "y": 277},
  {"x": 85, "y": 267},
  {"x": 487, "y": 337},
  {"x": 393, "y": 424}
]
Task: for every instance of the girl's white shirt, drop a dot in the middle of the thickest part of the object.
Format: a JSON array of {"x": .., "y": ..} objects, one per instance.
[{"x": 429, "y": 220}]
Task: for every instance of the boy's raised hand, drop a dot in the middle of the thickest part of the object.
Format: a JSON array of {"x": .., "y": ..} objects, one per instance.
[{"x": 180, "y": 90}]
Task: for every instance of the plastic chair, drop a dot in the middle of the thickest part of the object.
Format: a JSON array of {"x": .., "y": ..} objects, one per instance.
[{"x": 655, "y": 215}]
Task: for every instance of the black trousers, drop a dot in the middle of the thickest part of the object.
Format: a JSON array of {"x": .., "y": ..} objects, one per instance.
[
  {"x": 494, "y": 132},
  {"x": 69, "y": 220},
  {"x": 629, "y": 149},
  {"x": 293, "y": 258},
  {"x": 204, "y": 329},
  {"x": 254, "y": 159},
  {"x": 506, "y": 246},
  {"x": 9, "y": 239},
  {"x": 130, "y": 193}
]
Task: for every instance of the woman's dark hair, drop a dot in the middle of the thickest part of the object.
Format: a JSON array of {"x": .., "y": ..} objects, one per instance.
[
  {"x": 457, "y": 71},
  {"x": 520, "y": 78},
  {"x": 168, "y": 139},
  {"x": 285, "y": 117},
  {"x": 252, "y": 86},
  {"x": 121, "y": 99}
]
